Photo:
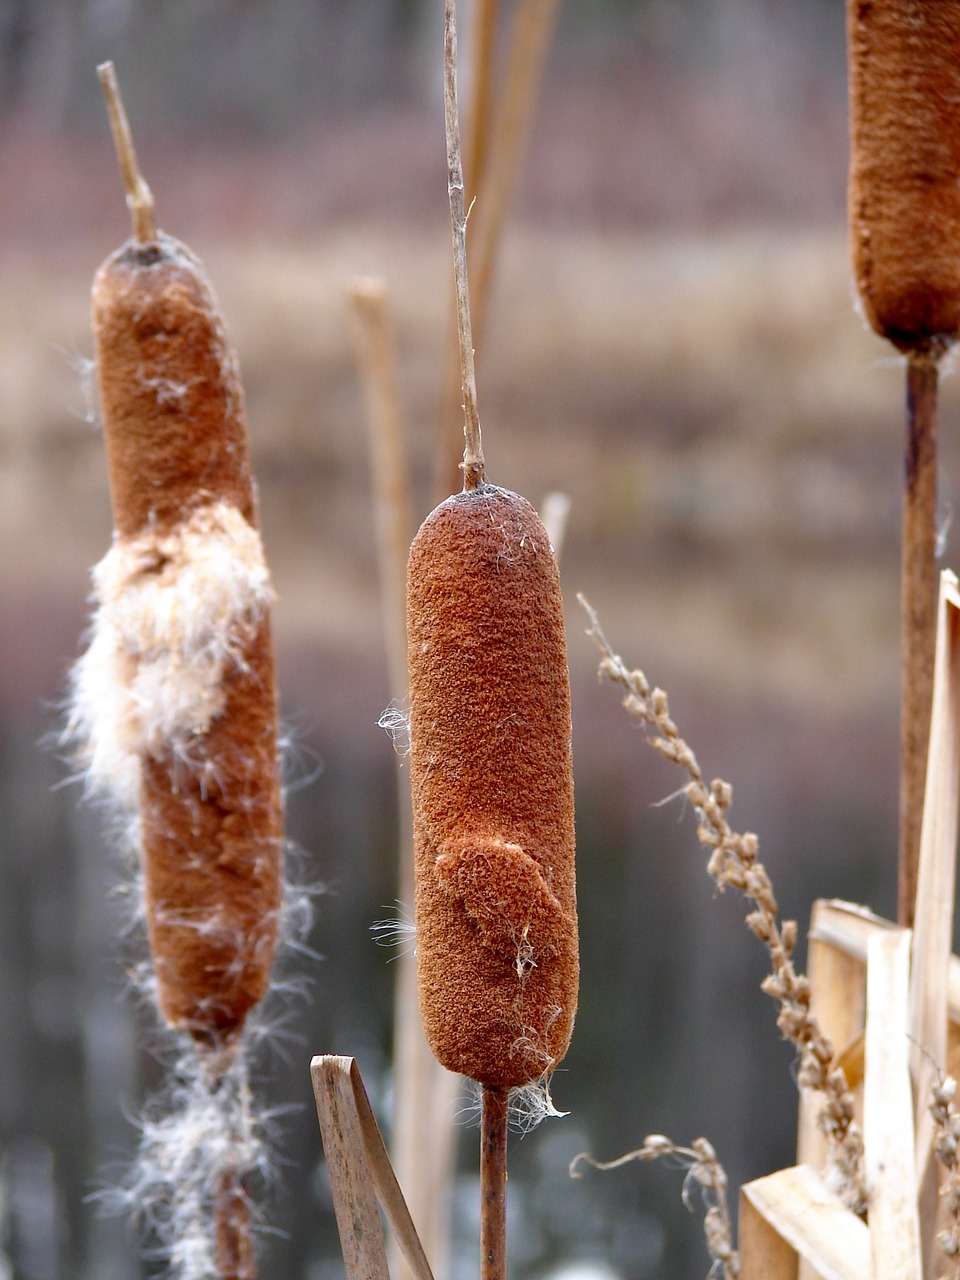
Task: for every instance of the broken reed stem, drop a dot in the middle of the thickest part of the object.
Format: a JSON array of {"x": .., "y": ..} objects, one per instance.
[
  {"x": 705, "y": 1171},
  {"x": 733, "y": 861},
  {"x": 473, "y": 465},
  {"x": 493, "y": 1183},
  {"x": 139, "y": 196},
  {"x": 918, "y": 614}
]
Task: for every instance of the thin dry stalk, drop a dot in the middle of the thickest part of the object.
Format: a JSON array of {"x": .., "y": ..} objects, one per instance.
[
  {"x": 554, "y": 513},
  {"x": 496, "y": 175},
  {"x": 139, "y": 195},
  {"x": 493, "y": 1183},
  {"x": 946, "y": 1143},
  {"x": 704, "y": 1171},
  {"x": 733, "y": 861},
  {"x": 529, "y": 46},
  {"x": 423, "y": 1131},
  {"x": 918, "y": 614},
  {"x": 483, "y": 50},
  {"x": 473, "y": 465},
  {"x": 390, "y": 470}
]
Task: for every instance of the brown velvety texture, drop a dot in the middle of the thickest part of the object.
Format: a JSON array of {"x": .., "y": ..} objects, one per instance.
[
  {"x": 211, "y": 826},
  {"x": 170, "y": 393},
  {"x": 904, "y": 191},
  {"x": 492, "y": 778},
  {"x": 212, "y": 848}
]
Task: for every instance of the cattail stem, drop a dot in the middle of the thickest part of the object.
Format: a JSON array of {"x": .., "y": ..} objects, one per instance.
[
  {"x": 473, "y": 465},
  {"x": 139, "y": 195},
  {"x": 235, "y": 1259},
  {"x": 493, "y": 1183},
  {"x": 918, "y": 614}
]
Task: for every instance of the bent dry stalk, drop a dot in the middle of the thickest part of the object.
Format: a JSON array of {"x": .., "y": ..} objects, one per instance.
[
  {"x": 734, "y": 862},
  {"x": 175, "y": 701}
]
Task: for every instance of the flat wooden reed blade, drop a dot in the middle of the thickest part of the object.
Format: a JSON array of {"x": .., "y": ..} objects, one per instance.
[
  {"x": 933, "y": 926},
  {"x": 473, "y": 464},
  {"x": 790, "y": 1217},
  {"x": 360, "y": 1174},
  {"x": 888, "y": 1111}
]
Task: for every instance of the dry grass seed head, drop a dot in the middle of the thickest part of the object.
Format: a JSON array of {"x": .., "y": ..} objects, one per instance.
[{"x": 733, "y": 862}]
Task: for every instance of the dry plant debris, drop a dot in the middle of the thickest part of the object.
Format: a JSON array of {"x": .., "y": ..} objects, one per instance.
[
  {"x": 705, "y": 1171},
  {"x": 946, "y": 1141},
  {"x": 733, "y": 862}
]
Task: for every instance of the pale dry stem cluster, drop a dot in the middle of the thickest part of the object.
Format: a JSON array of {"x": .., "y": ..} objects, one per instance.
[
  {"x": 704, "y": 1171},
  {"x": 945, "y": 1145},
  {"x": 733, "y": 861}
]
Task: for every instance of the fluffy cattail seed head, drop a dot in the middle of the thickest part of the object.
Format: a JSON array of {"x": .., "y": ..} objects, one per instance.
[{"x": 175, "y": 699}]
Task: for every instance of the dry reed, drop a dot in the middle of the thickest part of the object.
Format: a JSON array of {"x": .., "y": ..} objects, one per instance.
[
  {"x": 946, "y": 1146},
  {"x": 733, "y": 862},
  {"x": 705, "y": 1173},
  {"x": 423, "y": 1133}
]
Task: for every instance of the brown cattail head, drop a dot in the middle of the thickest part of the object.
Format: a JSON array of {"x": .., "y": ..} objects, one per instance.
[
  {"x": 492, "y": 780},
  {"x": 177, "y": 691},
  {"x": 904, "y": 193},
  {"x": 170, "y": 393}
]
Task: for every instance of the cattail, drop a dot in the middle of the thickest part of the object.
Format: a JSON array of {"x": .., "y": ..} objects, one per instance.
[
  {"x": 904, "y": 196},
  {"x": 185, "y": 596},
  {"x": 174, "y": 701},
  {"x": 492, "y": 789},
  {"x": 175, "y": 710},
  {"x": 904, "y": 207}
]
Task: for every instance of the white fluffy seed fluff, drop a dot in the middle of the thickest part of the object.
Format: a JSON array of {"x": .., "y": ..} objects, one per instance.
[
  {"x": 172, "y": 613},
  {"x": 203, "y": 1126}
]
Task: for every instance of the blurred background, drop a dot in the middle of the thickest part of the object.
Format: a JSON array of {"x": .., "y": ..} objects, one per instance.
[{"x": 672, "y": 343}]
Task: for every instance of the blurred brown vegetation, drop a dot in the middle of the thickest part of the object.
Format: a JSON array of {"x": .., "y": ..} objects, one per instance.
[{"x": 672, "y": 343}]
